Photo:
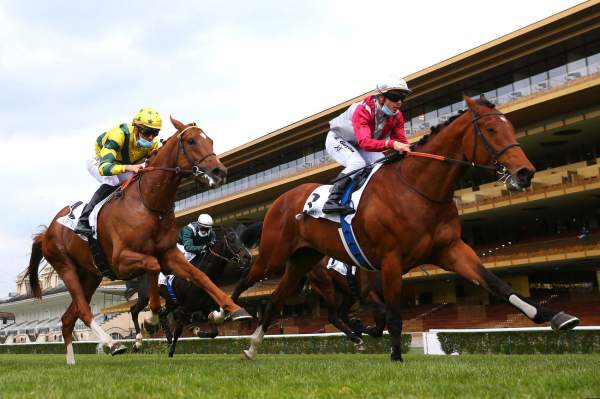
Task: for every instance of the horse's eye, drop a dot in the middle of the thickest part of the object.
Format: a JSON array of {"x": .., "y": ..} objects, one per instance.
[
  {"x": 491, "y": 130},
  {"x": 191, "y": 142}
]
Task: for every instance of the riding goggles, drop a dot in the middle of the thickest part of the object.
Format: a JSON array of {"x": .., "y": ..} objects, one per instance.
[{"x": 395, "y": 97}]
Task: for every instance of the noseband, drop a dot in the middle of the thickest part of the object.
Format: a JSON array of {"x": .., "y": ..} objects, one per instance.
[
  {"x": 486, "y": 144},
  {"x": 194, "y": 171},
  {"x": 236, "y": 258}
]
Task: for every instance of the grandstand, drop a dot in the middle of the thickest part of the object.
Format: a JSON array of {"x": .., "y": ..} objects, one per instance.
[{"x": 544, "y": 241}]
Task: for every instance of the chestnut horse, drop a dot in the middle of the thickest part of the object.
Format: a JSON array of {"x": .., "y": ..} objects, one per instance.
[
  {"x": 407, "y": 218},
  {"x": 137, "y": 233}
]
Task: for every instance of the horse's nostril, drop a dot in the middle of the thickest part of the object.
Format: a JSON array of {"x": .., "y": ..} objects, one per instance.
[{"x": 524, "y": 175}]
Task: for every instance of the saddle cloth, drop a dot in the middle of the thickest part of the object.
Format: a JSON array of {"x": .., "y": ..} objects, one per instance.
[
  {"x": 315, "y": 201},
  {"x": 70, "y": 220}
]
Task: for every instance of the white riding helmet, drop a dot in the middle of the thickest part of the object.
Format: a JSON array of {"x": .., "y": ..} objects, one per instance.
[
  {"x": 392, "y": 82},
  {"x": 206, "y": 221}
]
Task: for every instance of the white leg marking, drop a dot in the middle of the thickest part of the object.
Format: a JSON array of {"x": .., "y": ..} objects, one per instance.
[
  {"x": 530, "y": 311},
  {"x": 70, "y": 354},
  {"x": 153, "y": 320},
  {"x": 101, "y": 334},
  {"x": 217, "y": 317},
  {"x": 138, "y": 341},
  {"x": 255, "y": 341}
]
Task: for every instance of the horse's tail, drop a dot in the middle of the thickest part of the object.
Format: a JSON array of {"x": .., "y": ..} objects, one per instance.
[{"x": 34, "y": 263}]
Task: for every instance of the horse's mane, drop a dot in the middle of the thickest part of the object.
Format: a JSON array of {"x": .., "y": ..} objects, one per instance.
[{"x": 439, "y": 127}]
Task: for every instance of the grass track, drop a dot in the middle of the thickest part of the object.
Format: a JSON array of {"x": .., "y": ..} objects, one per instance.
[{"x": 300, "y": 376}]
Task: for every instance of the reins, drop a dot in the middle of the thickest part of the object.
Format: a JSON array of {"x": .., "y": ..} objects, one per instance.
[
  {"x": 497, "y": 166},
  {"x": 195, "y": 170}
]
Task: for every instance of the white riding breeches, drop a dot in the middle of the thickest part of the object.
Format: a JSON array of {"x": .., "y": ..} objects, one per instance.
[
  {"x": 347, "y": 155},
  {"x": 114, "y": 180}
]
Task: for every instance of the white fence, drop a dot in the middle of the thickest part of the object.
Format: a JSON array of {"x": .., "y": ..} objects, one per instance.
[{"x": 432, "y": 346}]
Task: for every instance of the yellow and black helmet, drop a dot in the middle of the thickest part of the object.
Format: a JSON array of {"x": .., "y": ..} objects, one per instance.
[{"x": 148, "y": 117}]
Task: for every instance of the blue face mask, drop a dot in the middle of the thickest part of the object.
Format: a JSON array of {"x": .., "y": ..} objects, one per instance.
[
  {"x": 144, "y": 143},
  {"x": 388, "y": 111}
]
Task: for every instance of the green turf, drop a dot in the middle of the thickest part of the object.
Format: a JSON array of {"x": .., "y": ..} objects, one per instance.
[{"x": 300, "y": 376}]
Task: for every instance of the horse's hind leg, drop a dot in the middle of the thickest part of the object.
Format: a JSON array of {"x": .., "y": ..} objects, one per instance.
[
  {"x": 177, "y": 333},
  {"x": 325, "y": 290},
  {"x": 82, "y": 286},
  {"x": 135, "y": 310},
  {"x": 460, "y": 258},
  {"x": 299, "y": 264}
]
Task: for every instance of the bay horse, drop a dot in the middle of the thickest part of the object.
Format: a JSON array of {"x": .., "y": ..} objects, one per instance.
[
  {"x": 137, "y": 233},
  {"x": 190, "y": 299},
  {"x": 407, "y": 218},
  {"x": 340, "y": 296}
]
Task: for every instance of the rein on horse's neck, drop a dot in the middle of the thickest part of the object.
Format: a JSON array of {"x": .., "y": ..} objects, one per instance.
[
  {"x": 160, "y": 187},
  {"x": 432, "y": 179}
]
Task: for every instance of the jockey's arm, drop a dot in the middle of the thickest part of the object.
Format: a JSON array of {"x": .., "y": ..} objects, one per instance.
[
  {"x": 361, "y": 121},
  {"x": 187, "y": 238},
  {"x": 109, "y": 165}
]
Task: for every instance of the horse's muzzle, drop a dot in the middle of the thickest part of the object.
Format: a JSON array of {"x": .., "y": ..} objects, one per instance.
[
  {"x": 524, "y": 176},
  {"x": 217, "y": 177}
]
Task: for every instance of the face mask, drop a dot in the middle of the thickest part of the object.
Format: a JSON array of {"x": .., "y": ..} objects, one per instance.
[
  {"x": 144, "y": 143},
  {"x": 388, "y": 111}
]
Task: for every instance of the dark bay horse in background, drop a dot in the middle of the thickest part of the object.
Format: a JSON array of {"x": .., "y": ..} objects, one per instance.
[
  {"x": 191, "y": 300},
  {"x": 339, "y": 296},
  {"x": 137, "y": 233},
  {"x": 407, "y": 218}
]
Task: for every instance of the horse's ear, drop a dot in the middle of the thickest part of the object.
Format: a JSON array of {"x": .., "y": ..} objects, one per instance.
[
  {"x": 178, "y": 125},
  {"x": 470, "y": 102}
]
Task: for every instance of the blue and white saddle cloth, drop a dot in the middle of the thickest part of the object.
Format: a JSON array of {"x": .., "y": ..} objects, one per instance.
[{"x": 314, "y": 207}]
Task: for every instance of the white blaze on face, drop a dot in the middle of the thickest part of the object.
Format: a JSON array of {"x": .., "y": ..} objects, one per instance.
[{"x": 203, "y": 135}]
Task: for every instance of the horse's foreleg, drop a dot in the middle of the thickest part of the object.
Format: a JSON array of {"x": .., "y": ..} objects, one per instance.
[
  {"x": 391, "y": 269},
  {"x": 175, "y": 261},
  {"x": 129, "y": 261},
  {"x": 461, "y": 258}
]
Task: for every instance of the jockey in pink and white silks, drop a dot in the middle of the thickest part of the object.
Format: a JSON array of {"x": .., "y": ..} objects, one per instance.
[{"x": 359, "y": 136}]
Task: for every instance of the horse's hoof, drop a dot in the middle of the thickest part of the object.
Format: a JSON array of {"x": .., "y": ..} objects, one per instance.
[
  {"x": 374, "y": 332},
  {"x": 117, "y": 348},
  {"x": 396, "y": 358},
  {"x": 563, "y": 322},
  {"x": 359, "y": 346},
  {"x": 240, "y": 314},
  {"x": 247, "y": 355}
]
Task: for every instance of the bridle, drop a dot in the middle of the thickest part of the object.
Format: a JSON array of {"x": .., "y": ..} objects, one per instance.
[
  {"x": 235, "y": 258},
  {"x": 194, "y": 170},
  {"x": 498, "y": 167}
]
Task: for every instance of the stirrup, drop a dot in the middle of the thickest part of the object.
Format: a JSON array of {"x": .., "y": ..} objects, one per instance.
[
  {"x": 83, "y": 229},
  {"x": 339, "y": 209}
]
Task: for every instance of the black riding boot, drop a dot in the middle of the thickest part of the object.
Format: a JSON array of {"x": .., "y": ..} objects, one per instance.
[
  {"x": 335, "y": 195},
  {"x": 83, "y": 226}
]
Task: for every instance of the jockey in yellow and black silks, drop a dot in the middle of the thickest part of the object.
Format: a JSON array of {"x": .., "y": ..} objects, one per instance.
[{"x": 120, "y": 152}]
